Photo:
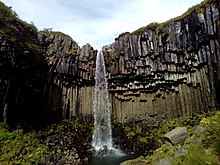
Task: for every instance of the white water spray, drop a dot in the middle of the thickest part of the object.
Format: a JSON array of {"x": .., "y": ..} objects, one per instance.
[{"x": 102, "y": 133}]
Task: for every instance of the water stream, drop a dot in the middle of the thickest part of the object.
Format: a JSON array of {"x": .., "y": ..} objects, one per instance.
[
  {"x": 102, "y": 143},
  {"x": 102, "y": 133},
  {"x": 111, "y": 159}
]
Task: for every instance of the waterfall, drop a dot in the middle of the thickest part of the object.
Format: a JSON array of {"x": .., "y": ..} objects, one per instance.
[{"x": 102, "y": 133}]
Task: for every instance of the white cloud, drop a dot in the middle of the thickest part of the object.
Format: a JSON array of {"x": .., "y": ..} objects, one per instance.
[{"x": 97, "y": 22}]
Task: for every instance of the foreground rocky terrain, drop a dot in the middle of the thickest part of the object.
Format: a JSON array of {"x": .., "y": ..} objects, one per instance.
[
  {"x": 190, "y": 145},
  {"x": 186, "y": 140}
]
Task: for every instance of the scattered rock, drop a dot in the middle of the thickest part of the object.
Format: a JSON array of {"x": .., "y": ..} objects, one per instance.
[
  {"x": 24, "y": 151},
  {"x": 177, "y": 135}
]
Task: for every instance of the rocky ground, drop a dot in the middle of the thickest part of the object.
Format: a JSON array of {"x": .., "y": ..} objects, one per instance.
[
  {"x": 69, "y": 142},
  {"x": 175, "y": 141},
  {"x": 188, "y": 145},
  {"x": 60, "y": 144}
]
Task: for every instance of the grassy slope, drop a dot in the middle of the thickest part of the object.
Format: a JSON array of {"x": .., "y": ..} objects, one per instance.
[{"x": 203, "y": 148}]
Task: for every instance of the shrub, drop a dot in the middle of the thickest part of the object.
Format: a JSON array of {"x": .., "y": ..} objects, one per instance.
[
  {"x": 196, "y": 155},
  {"x": 18, "y": 147},
  {"x": 211, "y": 136}
]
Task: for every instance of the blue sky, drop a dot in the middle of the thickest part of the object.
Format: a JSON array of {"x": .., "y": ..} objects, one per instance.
[{"x": 97, "y": 22}]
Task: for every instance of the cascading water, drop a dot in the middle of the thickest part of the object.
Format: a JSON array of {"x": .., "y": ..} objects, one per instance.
[{"x": 102, "y": 133}]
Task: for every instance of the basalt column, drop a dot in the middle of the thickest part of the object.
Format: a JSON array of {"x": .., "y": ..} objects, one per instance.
[
  {"x": 166, "y": 70},
  {"x": 158, "y": 71},
  {"x": 70, "y": 84}
]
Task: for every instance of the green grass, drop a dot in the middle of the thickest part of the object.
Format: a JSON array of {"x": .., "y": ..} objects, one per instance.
[
  {"x": 152, "y": 26},
  {"x": 196, "y": 155},
  {"x": 122, "y": 35},
  {"x": 17, "y": 147},
  {"x": 205, "y": 152}
]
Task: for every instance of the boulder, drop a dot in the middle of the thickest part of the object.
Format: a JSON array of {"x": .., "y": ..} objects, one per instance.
[{"x": 177, "y": 135}]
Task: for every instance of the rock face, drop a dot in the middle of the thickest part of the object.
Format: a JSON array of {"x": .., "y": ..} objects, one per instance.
[
  {"x": 161, "y": 71},
  {"x": 71, "y": 77},
  {"x": 166, "y": 70}
]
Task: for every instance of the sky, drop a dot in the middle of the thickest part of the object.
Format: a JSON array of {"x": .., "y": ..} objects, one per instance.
[{"x": 97, "y": 22}]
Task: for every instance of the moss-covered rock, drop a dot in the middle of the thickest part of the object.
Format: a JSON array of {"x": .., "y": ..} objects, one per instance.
[{"x": 201, "y": 148}]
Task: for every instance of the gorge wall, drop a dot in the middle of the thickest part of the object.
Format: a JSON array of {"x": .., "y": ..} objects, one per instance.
[
  {"x": 156, "y": 72},
  {"x": 159, "y": 71},
  {"x": 70, "y": 84},
  {"x": 167, "y": 70}
]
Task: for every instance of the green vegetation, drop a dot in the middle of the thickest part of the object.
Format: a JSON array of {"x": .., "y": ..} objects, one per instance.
[
  {"x": 23, "y": 64},
  {"x": 152, "y": 26},
  {"x": 211, "y": 137},
  {"x": 58, "y": 33},
  {"x": 208, "y": 151},
  {"x": 196, "y": 155},
  {"x": 18, "y": 147},
  {"x": 150, "y": 136},
  {"x": 73, "y": 51},
  {"x": 22, "y": 40},
  {"x": 43, "y": 146},
  {"x": 202, "y": 148},
  {"x": 20, "y": 34},
  {"x": 197, "y": 9}
]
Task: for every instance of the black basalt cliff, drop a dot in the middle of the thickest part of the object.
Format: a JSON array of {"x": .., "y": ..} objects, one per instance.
[
  {"x": 159, "y": 71},
  {"x": 70, "y": 78},
  {"x": 167, "y": 70}
]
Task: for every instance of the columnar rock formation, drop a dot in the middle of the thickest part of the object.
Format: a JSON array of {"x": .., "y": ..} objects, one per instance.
[
  {"x": 71, "y": 78},
  {"x": 161, "y": 71},
  {"x": 166, "y": 70}
]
